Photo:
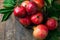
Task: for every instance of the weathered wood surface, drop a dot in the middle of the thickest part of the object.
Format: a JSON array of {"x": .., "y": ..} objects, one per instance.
[
  {"x": 13, "y": 30},
  {"x": 7, "y": 29}
]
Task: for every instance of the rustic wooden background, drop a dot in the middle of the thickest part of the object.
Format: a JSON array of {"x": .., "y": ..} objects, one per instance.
[{"x": 13, "y": 30}]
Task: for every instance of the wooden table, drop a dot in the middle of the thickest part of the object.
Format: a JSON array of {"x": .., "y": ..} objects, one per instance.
[{"x": 13, "y": 30}]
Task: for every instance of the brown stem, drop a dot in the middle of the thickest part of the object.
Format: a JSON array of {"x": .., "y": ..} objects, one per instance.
[{"x": 17, "y": 3}]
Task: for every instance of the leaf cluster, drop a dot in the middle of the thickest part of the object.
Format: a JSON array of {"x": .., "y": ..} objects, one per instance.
[
  {"x": 8, "y": 8},
  {"x": 52, "y": 8}
]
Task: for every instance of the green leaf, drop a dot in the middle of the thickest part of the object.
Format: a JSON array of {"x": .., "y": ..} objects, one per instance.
[
  {"x": 9, "y": 3},
  {"x": 46, "y": 3},
  {"x": 6, "y": 16},
  {"x": 49, "y": 2},
  {"x": 52, "y": 12},
  {"x": 56, "y": 5},
  {"x": 4, "y": 11},
  {"x": 57, "y": 18},
  {"x": 53, "y": 35}
]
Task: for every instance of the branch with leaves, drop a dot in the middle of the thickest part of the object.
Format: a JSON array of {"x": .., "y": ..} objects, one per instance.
[
  {"x": 52, "y": 7},
  {"x": 8, "y": 8}
]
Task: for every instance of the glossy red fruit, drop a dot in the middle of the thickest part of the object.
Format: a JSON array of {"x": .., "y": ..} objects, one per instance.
[
  {"x": 24, "y": 3},
  {"x": 19, "y": 11},
  {"x": 24, "y": 21},
  {"x": 31, "y": 8},
  {"x": 40, "y": 32},
  {"x": 40, "y": 3},
  {"x": 37, "y": 18},
  {"x": 52, "y": 23}
]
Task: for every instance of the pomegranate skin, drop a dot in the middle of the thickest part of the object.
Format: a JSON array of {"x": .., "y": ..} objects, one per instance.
[
  {"x": 37, "y": 18},
  {"x": 31, "y": 8},
  {"x": 24, "y": 3},
  {"x": 40, "y": 3},
  {"x": 52, "y": 23},
  {"x": 25, "y": 21},
  {"x": 19, "y": 11},
  {"x": 40, "y": 32}
]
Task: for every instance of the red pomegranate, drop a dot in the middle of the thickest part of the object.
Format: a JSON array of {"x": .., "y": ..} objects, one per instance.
[
  {"x": 40, "y": 32},
  {"x": 31, "y": 8},
  {"x": 25, "y": 21},
  {"x": 19, "y": 11},
  {"x": 37, "y": 18},
  {"x": 52, "y": 23}
]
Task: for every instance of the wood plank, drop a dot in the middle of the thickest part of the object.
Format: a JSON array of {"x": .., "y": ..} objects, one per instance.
[
  {"x": 10, "y": 29},
  {"x": 22, "y": 33},
  {"x": 2, "y": 24},
  {"x": 7, "y": 29}
]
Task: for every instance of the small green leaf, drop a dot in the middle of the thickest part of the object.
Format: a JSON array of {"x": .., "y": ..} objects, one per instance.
[
  {"x": 9, "y": 3},
  {"x": 49, "y": 2},
  {"x": 6, "y": 16},
  {"x": 57, "y": 18},
  {"x": 4, "y": 11},
  {"x": 46, "y": 3}
]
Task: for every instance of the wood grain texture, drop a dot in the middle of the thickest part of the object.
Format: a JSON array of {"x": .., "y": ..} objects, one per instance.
[
  {"x": 7, "y": 28},
  {"x": 22, "y": 33},
  {"x": 2, "y": 24},
  {"x": 10, "y": 29}
]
